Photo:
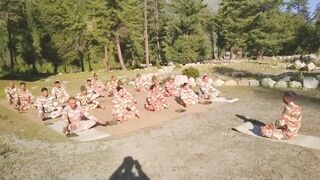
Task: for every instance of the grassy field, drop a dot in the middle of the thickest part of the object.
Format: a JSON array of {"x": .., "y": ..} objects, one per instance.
[{"x": 15, "y": 124}]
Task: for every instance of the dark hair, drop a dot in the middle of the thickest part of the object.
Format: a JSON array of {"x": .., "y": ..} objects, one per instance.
[
  {"x": 119, "y": 88},
  {"x": 291, "y": 96},
  {"x": 44, "y": 89},
  {"x": 22, "y": 83},
  {"x": 57, "y": 82},
  {"x": 88, "y": 80},
  {"x": 153, "y": 86},
  {"x": 184, "y": 84},
  {"x": 120, "y": 83}
]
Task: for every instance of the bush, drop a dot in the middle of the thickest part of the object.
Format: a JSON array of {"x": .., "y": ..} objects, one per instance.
[{"x": 191, "y": 72}]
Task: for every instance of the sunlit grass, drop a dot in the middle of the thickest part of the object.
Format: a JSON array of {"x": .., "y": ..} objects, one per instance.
[{"x": 14, "y": 124}]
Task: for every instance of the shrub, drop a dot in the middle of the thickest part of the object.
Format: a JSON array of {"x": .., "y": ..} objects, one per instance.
[{"x": 191, "y": 72}]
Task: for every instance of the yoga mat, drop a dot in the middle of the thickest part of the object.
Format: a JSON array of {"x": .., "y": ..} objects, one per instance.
[
  {"x": 311, "y": 142},
  {"x": 87, "y": 135}
]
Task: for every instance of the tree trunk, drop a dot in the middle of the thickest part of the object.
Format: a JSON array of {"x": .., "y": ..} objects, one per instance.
[
  {"x": 117, "y": 39},
  {"x": 89, "y": 62},
  {"x": 106, "y": 59},
  {"x": 146, "y": 38},
  {"x": 80, "y": 54},
  {"x": 159, "y": 60},
  {"x": 10, "y": 43},
  {"x": 213, "y": 56}
]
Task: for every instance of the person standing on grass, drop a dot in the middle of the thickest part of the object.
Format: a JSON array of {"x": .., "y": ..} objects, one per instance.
[
  {"x": 123, "y": 106},
  {"x": 76, "y": 118},
  {"x": 208, "y": 92},
  {"x": 23, "y": 99},
  {"x": 155, "y": 100},
  {"x": 46, "y": 106},
  {"x": 10, "y": 92},
  {"x": 60, "y": 93},
  {"x": 87, "y": 101},
  {"x": 288, "y": 125}
]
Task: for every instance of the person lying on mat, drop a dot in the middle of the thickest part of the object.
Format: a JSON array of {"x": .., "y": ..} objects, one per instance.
[
  {"x": 288, "y": 125},
  {"x": 76, "y": 118}
]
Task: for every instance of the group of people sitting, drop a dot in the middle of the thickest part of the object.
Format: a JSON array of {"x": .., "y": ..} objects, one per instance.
[{"x": 75, "y": 110}]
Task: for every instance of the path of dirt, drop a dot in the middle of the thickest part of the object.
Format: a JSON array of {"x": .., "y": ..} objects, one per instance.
[{"x": 196, "y": 145}]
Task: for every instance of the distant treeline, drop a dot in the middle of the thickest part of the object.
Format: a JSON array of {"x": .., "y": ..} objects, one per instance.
[{"x": 51, "y": 36}]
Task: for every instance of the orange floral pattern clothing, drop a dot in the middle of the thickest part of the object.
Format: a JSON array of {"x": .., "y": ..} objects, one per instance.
[
  {"x": 155, "y": 101},
  {"x": 288, "y": 125}
]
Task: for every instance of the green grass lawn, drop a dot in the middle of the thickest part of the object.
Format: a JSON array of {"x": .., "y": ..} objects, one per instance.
[{"x": 15, "y": 124}]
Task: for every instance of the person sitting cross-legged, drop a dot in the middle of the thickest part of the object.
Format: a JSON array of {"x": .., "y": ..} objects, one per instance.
[
  {"x": 188, "y": 96},
  {"x": 98, "y": 85},
  {"x": 10, "y": 92},
  {"x": 23, "y": 99},
  {"x": 170, "y": 88},
  {"x": 60, "y": 93},
  {"x": 90, "y": 90},
  {"x": 288, "y": 125},
  {"x": 140, "y": 84},
  {"x": 208, "y": 92},
  {"x": 123, "y": 106},
  {"x": 47, "y": 107},
  {"x": 155, "y": 99},
  {"x": 87, "y": 101},
  {"x": 77, "y": 119}
]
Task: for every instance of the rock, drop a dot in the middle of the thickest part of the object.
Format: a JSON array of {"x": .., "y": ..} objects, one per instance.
[
  {"x": 311, "y": 66},
  {"x": 254, "y": 82},
  {"x": 295, "y": 84},
  {"x": 268, "y": 82},
  {"x": 281, "y": 84},
  {"x": 318, "y": 77},
  {"x": 180, "y": 79},
  {"x": 218, "y": 83},
  {"x": 238, "y": 74},
  {"x": 192, "y": 82},
  {"x": 230, "y": 83},
  {"x": 286, "y": 78},
  {"x": 313, "y": 57},
  {"x": 310, "y": 82},
  {"x": 299, "y": 65},
  {"x": 243, "y": 82},
  {"x": 47, "y": 80}
]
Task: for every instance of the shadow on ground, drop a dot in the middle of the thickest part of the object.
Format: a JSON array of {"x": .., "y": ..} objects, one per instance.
[{"x": 126, "y": 171}]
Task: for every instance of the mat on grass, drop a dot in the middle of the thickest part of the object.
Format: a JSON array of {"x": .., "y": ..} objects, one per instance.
[
  {"x": 251, "y": 129},
  {"x": 88, "y": 135}
]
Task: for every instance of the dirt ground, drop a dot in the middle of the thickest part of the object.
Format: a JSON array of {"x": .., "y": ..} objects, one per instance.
[{"x": 196, "y": 144}]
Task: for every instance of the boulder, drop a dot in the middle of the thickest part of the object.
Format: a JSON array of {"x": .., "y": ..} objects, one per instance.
[
  {"x": 218, "y": 83},
  {"x": 310, "y": 82},
  {"x": 254, "y": 82},
  {"x": 299, "y": 65},
  {"x": 180, "y": 79},
  {"x": 286, "y": 78},
  {"x": 281, "y": 84},
  {"x": 238, "y": 74},
  {"x": 295, "y": 84},
  {"x": 230, "y": 83},
  {"x": 192, "y": 82},
  {"x": 311, "y": 66},
  {"x": 268, "y": 82},
  {"x": 243, "y": 82}
]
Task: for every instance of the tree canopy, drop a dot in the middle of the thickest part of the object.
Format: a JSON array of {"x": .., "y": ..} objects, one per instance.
[{"x": 48, "y": 36}]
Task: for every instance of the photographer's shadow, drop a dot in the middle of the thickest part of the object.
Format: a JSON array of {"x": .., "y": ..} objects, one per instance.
[{"x": 125, "y": 171}]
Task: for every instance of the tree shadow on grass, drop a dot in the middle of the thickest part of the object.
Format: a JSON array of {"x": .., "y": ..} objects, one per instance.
[
  {"x": 231, "y": 72},
  {"x": 29, "y": 77},
  {"x": 125, "y": 171}
]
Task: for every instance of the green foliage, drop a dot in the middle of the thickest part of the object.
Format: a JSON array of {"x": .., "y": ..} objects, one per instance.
[{"x": 191, "y": 72}]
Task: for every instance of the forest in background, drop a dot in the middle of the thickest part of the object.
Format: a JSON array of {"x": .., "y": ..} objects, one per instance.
[{"x": 52, "y": 36}]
